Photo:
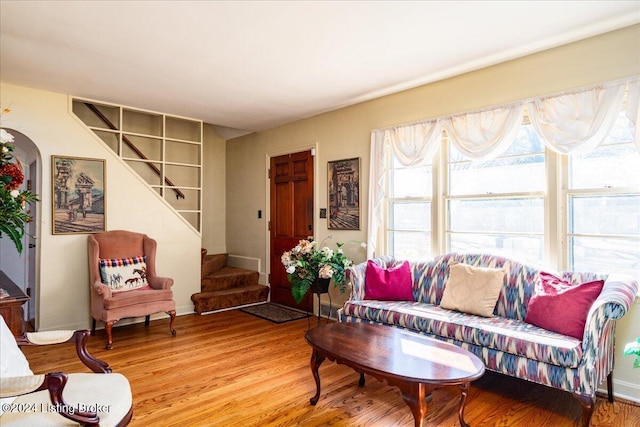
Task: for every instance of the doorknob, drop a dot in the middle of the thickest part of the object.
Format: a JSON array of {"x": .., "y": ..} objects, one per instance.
[{"x": 32, "y": 245}]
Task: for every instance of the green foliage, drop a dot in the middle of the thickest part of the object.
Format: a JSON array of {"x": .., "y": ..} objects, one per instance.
[
  {"x": 633, "y": 348},
  {"x": 13, "y": 202}
]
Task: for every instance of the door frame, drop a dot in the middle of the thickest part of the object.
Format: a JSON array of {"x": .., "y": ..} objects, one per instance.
[
  {"x": 29, "y": 153},
  {"x": 313, "y": 147}
]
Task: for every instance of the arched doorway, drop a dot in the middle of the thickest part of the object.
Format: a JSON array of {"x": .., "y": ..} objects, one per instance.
[{"x": 23, "y": 269}]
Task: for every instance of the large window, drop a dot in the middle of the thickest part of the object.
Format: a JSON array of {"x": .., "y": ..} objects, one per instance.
[
  {"x": 603, "y": 205},
  {"x": 578, "y": 212}
]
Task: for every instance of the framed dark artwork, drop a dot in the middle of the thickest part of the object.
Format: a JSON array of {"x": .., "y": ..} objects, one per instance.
[
  {"x": 78, "y": 199},
  {"x": 343, "y": 189}
]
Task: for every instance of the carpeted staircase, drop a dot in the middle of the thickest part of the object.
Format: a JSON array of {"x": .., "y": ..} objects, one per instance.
[{"x": 223, "y": 286}]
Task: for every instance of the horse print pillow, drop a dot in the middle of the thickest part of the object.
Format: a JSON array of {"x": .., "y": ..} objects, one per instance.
[{"x": 124, "y": 274}]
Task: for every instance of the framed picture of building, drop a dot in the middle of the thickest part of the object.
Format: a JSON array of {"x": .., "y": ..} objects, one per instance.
[
  {"x": 78, "y": 195},
  {"x": 344, "y": 194}
]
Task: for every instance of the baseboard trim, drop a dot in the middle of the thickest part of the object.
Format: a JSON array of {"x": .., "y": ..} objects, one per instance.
[
  {"x": 328, "y": 311},
  {"x": 624, "y": 391},
  {"x": 250, "y": 263}
]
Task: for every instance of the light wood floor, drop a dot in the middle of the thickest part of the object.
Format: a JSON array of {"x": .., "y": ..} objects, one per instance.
[{"x": 233, "y": 369}]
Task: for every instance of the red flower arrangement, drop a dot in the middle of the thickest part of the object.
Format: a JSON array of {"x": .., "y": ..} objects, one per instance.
[
  {"x": 14, "y": 172},
  {"x": 13, "y": 201}
]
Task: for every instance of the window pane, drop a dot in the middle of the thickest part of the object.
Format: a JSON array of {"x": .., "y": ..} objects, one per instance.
[
  {"x": 497, "y": 215},
  {"x": 519, "y": 168},
  {"x": 411, "y": 182},
  {"x": 528, "y": 249},
  {"x": 608, "y": 166},
  {"x": 616, "y": 163},
  {"x": 622, "y": 131},
  {"x": 502, "y": 175},
  {"x": 605, "y": 215},
  {"x": 607, "y": 255},
  {"x": 410, "y": 245},
  {"x": 410, "y": 216}
]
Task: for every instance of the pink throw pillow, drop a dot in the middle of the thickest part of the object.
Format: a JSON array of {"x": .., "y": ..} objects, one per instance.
[
  {"x": 390, "y": 284},
  {"x": 561, "y": 307}
]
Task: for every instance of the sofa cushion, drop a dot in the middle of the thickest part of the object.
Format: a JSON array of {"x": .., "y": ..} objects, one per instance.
[
  {"x": 560, "y": 306},
  {"x": 124, "y": 274},
  {"x": 508, "y": 335},
  {"x": 390, "y": 284},
  {"x": 472, "y": 290},
  {"x": 430, "y": 278}
]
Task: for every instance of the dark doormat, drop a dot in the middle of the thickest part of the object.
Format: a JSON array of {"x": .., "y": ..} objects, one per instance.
[{"x": 274, "y": 313}]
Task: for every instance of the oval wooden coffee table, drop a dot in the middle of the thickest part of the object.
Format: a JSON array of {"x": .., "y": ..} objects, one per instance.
[{"x": 414, "y": 363}]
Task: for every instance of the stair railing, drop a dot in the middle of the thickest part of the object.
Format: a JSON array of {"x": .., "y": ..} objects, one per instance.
[{"x": 132, "y": 146}]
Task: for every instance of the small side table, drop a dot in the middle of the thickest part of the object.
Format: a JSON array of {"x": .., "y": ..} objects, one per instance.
[{"x": 11, "y": 306}]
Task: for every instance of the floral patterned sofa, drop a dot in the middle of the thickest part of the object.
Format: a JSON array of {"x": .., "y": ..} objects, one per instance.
[{"x": 505, "y": 342}]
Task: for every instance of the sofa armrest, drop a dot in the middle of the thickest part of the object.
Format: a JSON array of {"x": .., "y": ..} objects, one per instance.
[
  {"x": 356, "y": 276},
  {"x": 54, "y": 383},
  {"x": 617, "y": 295},
  {"x": 157, "y": 282},
  {"x": 80, "y": 338},
  {"x": 615, "y": 299}
]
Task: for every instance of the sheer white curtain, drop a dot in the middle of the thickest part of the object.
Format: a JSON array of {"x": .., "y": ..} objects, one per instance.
[
  {"x": 377, "y": 174},
  {"x": 484, "y": 134},
  {"x": 411, "y": 145},
  {"x": 633, "y": 109},
  {"x": 572, "y": 122},
  {"x": 577, "y": 122}
]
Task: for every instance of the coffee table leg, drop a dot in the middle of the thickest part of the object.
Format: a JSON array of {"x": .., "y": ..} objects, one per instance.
[
  {"x": 316, "y": 361},
  {"x": 415, "y": 396},
  {"x": 463, "y": 398}
]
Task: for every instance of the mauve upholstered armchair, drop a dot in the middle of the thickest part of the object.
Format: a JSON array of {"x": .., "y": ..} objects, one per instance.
[{"x": 123, "y": 280}]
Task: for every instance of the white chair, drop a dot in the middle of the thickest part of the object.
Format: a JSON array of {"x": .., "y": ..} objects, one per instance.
[{"x": 101, "y": 398}]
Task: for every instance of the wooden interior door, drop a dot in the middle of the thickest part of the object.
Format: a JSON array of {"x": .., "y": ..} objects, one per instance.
[{"x": 291, "y": 193}]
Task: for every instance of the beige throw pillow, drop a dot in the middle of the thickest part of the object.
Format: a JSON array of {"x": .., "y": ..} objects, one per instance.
[{"x": 472, "y": 290}]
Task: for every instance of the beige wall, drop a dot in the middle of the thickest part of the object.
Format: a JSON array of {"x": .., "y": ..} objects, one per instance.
[
  {"x": 345, "y": 133},
  {"x": 63, "y": 290},
  {"x": 213, "y": 192}
]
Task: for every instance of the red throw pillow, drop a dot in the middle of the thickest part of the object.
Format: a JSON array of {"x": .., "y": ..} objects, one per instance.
[
  {"x": 390, "y": 284},
  {"x": 561, "y": 307}
]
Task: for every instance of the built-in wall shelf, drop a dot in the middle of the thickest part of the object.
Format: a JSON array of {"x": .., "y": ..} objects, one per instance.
[{"x": 164, "y": 150}]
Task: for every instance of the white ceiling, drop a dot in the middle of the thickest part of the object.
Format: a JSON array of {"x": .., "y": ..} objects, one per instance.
[{"x": 252, "y": 65}]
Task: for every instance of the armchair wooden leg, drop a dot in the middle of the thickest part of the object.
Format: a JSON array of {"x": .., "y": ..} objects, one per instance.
[
  {"x": 610, "y": 386},
  {"x": 146, "y": 320},
  {"x": 172, "y": 314},
  {"x": 588, "y": 403},
  {"x": 93, "y": 327},
  {"x": 108, "y": 327}
]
